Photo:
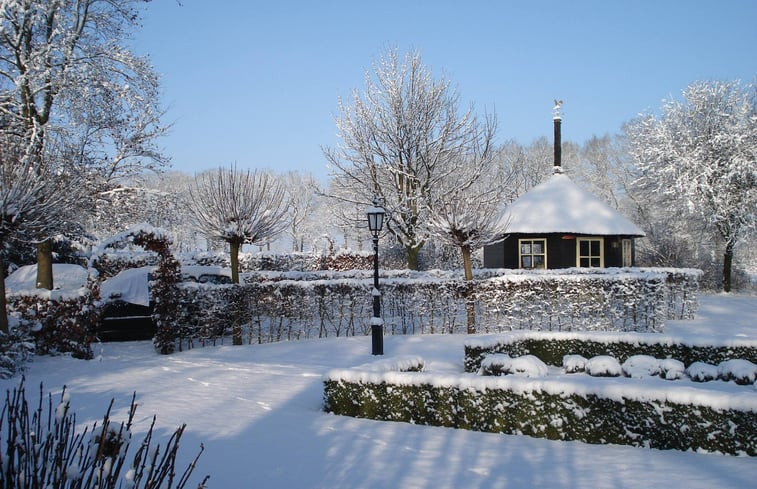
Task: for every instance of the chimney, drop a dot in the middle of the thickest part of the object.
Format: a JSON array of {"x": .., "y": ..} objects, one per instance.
[{"x": 558, "y": 137}]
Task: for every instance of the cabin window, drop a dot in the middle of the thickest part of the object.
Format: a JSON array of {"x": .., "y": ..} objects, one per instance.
[
  {"x": 627, "y": 249},
  {"x": 590, "y": 252},
  {"x": 532, "y": 253}
]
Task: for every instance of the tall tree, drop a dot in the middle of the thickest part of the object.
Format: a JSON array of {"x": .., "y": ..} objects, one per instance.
[
  {"x": 400, "y": 137},
  {"x": 67, "y": 76},
  {"x": 702, "y": 152}
]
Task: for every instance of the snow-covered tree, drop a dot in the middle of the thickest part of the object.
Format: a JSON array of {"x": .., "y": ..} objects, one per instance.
[
  {"x": 399, "y": 138},
  {"x": 528, "y": 166},
  {"x": 302, "y": 190},
  {"x": 701, "y": 153},
  {"x": 604, "y": 168},
  {"x": 239, "y": 207},
  {"x": 466, "y": 215},
  {"x": 32, "y": 200},
  {"x": 67, "y": 76}
]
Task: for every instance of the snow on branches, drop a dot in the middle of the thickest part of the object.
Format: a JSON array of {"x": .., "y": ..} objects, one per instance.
[{"x": 702, "y": 153}]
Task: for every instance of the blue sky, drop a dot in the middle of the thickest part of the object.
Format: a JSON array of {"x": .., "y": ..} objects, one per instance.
[{"x": 257, "y": 83}]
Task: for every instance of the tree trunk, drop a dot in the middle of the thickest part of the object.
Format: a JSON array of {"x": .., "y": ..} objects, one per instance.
[
  {"x": 45, "y": 265},
  {"x": 470, "y": 302},
  {"x": 727, "y": 266},
  {"x": 467, "y": 264},
  {"x": 234, "y": 251},
  {"x": 3, "y": 305},
  {"x": 236, "y": 322},
  {"x": 412, "y": 256}
]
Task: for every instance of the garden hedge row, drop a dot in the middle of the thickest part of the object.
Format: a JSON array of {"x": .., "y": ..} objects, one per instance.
[
  {"x": 290, "y": 305},
  {"x": 590, "y": 418},
  {"x": 552, "y": 347}
]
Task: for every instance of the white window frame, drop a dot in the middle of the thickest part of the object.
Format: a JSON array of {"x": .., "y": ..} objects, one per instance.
[
  {"x": 521, "y": 254},
  {"x": 626, "y": 246},
  {"x": 589, "y": 239}
]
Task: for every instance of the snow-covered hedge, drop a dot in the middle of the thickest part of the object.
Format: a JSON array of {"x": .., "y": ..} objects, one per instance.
[
  {"x": 316, "y": 304},
  {"x": 59, "y": 321},
  {"x": 593, "y": 411},
  {"x": 552, "y": 347},
  {"x": 342, "y": 259},
  {"x": 611, "y": 299}
]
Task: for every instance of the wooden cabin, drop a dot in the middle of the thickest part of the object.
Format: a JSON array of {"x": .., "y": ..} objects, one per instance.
[{"x": 557, "y": 224}]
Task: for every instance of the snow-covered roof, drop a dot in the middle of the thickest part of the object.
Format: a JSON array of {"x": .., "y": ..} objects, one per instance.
[{"x": 558, "y": 205}]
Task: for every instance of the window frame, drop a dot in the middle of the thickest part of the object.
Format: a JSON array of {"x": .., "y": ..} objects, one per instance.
[
  {"x": 590, "y": 256},
  {"x": 543, "y": 242},
  {"x": 626, "y": 252}
]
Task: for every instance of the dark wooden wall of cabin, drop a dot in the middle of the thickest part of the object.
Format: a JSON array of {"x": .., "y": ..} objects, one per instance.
[{"x": 561, "y": 251}]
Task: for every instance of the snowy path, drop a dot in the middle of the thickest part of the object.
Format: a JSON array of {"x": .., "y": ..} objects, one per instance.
[{"x": 257, "y": 409}]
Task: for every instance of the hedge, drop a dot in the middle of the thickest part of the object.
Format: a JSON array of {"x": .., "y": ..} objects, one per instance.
[
  {"x": 522, "y": 408},
  {"x": 552, "y": 347},
  {"x": 291, "y": 305}
]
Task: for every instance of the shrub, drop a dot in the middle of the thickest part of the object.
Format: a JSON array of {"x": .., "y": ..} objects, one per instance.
[
  {"x": 741, "y": 371},
  {"x": 59, "y": 322},
  {"x": 573, "y": 363},
  {"x": 639, "y": 366},
  {"x": 603, "y": 366},
  {"x": 501, "y": 364},
  {"x": 42, "y": 448},
  {"x": 702, "y": 372},
  {"x": 16, "y": 347}
]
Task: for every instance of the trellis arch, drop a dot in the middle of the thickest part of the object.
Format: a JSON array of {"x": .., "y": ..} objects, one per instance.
[{"x": 164, "y": 289}]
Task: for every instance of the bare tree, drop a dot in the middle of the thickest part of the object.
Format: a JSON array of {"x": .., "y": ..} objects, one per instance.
[
  {"x": 466, "y": 214},
  {"x": 66, "y": 75},
  {"x": 400, "y": 138},
  {"x": 238, "y": 207},
  {"x": 702, "y": 154}
]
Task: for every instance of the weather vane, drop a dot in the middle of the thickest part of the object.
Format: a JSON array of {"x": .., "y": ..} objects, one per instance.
[{"x": 557, "y": 108}]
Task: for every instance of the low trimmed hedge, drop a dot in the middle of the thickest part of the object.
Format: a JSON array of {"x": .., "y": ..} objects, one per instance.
[
  {"x": 587, "y": 417},
  {"x": 552, "y": 347}
]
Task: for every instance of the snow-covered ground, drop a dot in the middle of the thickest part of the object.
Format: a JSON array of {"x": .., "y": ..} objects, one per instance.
[{"x": 257, "y": 409}]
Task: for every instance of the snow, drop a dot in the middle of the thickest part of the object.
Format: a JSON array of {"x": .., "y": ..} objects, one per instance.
[
  {"x": 573, "y": 363},
  {"x": 130, "y": 285},
  {"x": 258, "y": 411},
  {"x": 525, "y": 365},
  {"x": 69, "y": 281},
  {"x": 672, "y": 369},
  {"x": 640, "y": 366},
  {"x": 558, "y": 205},
  {"x": 702, "y": 372},
  {"x": 66, "y": 276},
  {"x": 603, "y": 365}
]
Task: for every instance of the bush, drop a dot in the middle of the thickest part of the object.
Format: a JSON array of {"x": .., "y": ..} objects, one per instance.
[
  {"x": 16, "y": 348},
  {"x": 41, "y": 448},
  {"x": 59, "y": 322}
]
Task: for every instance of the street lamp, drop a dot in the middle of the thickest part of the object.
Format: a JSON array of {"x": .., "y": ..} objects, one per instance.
[{"x": 375, "y": 215}]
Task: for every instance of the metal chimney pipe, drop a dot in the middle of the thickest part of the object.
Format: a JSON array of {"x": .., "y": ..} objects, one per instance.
[{"x": 558, "y": 144}]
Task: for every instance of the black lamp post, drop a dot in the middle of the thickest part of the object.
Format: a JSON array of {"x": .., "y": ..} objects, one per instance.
[{"x": 375, "y": 215}]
